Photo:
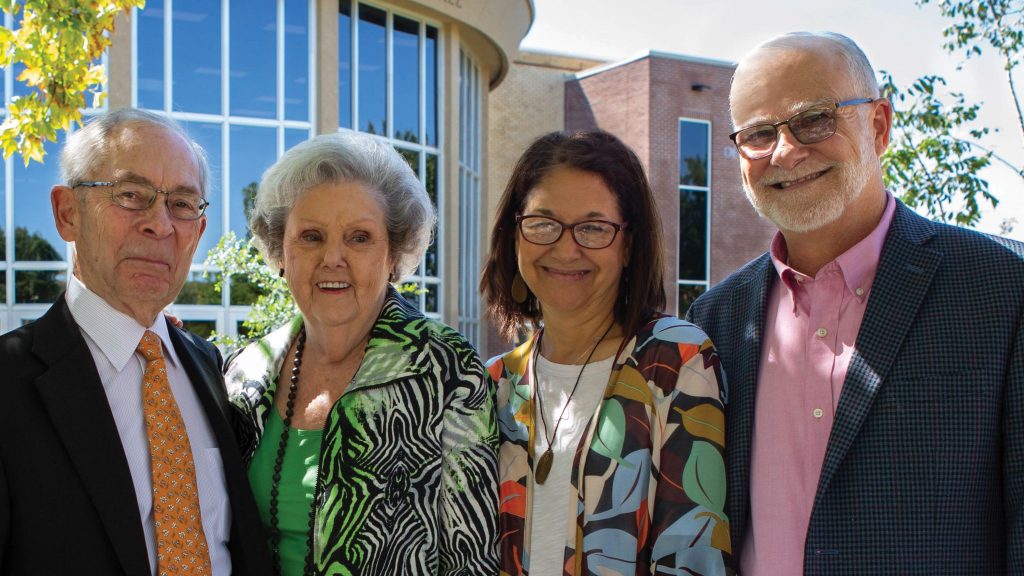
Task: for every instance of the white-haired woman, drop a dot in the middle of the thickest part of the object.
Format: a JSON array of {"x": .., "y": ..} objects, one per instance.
[{"x": 369, "y": 429}]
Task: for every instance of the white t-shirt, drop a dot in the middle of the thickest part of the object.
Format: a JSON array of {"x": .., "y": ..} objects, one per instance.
[{"x": 551, "y": 507}]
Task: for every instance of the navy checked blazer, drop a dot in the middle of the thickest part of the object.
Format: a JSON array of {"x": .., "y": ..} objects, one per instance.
[{"x": 924, "y": 470}]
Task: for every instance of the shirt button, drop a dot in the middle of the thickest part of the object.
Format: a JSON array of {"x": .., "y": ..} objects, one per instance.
[
  {"x": 822, "y": 332},
  {"x": 818, "y": 413},
  {"x": 859, "y": 291}
]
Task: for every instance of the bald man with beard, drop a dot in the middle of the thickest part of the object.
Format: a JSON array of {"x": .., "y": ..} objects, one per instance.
[{"x": 874, "y": 359}]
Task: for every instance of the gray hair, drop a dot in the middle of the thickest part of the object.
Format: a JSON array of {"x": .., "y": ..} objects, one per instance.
[
  {"x": 858, "y": 67},
  {"x": 340, "y": 158},
  {"x": 87, "y": 148}
]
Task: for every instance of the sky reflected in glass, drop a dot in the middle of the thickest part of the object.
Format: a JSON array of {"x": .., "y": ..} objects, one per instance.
[
  {"x": 208, "y": 136},
  {"x": 296, "y": 61},
  {"x": 150, "y": 55},
  {"x": 253, "y": 58},
  {"x": 253, "y": 150},
  {"x": 32, "y": 211},
  {"x": 372, "y": 68},
  {"x": 345, "y": 65},
  {"x": 197, "y": 53},
  {"x": 406, "y": 63}
]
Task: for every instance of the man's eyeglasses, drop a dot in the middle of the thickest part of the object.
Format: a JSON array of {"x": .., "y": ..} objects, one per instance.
[
  {"x": 808, "y": 127},
  {"x": 593, "y": 234},
  {"x": 139, "y": 196}
]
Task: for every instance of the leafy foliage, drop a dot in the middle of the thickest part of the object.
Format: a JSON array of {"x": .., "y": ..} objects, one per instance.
[
  {"x": 59, "y": 43},
  {"x": 930, "y": 161},
  {"x": 948, "y": 143},
  {"x": 274, "y": 304}
]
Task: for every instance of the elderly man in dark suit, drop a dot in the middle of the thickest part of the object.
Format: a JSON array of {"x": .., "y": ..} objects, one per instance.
[
  {"x": 874, "y": 359},
  {"x": 116, "y": 456}
]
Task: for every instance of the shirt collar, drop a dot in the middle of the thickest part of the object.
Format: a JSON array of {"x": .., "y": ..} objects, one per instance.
[
  {"x": 858, "y": 264},
  {"x": 116, "y": 334}
]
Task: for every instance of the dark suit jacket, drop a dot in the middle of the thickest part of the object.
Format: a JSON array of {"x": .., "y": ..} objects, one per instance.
[
  {"x": 924, "y": 470},
  {"x": 67, "y": 503}
]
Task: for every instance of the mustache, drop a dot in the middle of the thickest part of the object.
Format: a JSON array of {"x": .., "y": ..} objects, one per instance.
[{"x": 781, "y": 175}]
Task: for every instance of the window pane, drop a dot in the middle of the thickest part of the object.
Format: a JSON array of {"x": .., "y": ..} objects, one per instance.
[
  {"x": 199, "y": 290},
  {"x": 693, "y": 235},
  {"x": 296, "y": 60},
  {"x": 253, "y": 58},
  {"x": 197, "y": 43},
  {"x": 431, "y": 87},
  {"x": 243, "y": 291},
  {"x": 201, "y": 328},
  {"x": 407, "y": 79},
  {"x": 253, "y": 150},
  {"x": 38, "y": 286},
  {"x": 345, "y": 64},
  {"x": 693, "y": 153},
  {"x": 412, "y": 157},
  {"x": 35, "y": 236},
  {"x": 432, "y": 263},
  {"x": 432, "y": 299},
  {"x": 687, "y": 294},
  {"x": 293, "y": 137},
  {"x": 208, "y": 136},
  {"x": 3, "y": 282},
  {"x": 372, "y": 68},
  {"x": 150, "y": 55}
]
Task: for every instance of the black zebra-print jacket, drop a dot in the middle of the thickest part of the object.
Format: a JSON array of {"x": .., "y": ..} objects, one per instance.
[{"x": 407, "y": 479}]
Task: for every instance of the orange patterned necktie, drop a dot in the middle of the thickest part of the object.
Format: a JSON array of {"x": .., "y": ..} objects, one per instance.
[{"x": 180, "y": 542}]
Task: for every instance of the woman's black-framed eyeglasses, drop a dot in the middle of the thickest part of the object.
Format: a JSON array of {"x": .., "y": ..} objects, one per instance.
[
  {"x": 810, "y": 126},
  {"x": 544, "y": 230}
]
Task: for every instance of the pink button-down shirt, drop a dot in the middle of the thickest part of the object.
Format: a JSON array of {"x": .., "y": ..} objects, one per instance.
[{"x": 811, "y": 326}]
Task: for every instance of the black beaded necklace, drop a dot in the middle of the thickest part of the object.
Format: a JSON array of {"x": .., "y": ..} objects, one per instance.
[{"x": 289, "y": 411}]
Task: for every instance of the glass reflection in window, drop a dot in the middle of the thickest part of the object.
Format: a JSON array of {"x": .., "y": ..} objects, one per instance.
[{"x": 253, "y": 58}]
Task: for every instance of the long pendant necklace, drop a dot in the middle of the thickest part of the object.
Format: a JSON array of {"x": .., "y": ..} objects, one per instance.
[
  {"x": 543, "y": 469},
  {"x": 289, "y": 411}
]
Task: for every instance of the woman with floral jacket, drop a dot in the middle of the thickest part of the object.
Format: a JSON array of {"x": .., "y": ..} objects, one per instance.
[{"x": 610, "y": 416}]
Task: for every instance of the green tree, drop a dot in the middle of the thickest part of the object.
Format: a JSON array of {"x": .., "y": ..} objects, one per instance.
[
  {"x": 35, "y": 286},
  {"x": 938, "y": 150},
  {"x": 59, "y": 43}
]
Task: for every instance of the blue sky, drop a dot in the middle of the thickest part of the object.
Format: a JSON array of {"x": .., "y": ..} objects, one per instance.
[{"x": 897, "y": 36}]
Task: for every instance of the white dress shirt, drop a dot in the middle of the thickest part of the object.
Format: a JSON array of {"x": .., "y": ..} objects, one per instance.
[{"x": 112, "y": 337}]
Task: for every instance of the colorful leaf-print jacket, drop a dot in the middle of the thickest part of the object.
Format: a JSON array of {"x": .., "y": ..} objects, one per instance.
[
  {"x": 408, "y": 474},
  {"x": 648, "y": 479}
]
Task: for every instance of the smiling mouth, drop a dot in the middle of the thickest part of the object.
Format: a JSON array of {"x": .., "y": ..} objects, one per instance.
[
  {"x": 567, "y": 274},
  {"x": 332, "y": 285},
  {"x": 808, "y": 178}
]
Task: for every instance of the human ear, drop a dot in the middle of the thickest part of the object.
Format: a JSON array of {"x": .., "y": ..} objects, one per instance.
[{"x": 66, "y": 212}]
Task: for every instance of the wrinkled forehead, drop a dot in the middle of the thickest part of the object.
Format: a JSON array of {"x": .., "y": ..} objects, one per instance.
[
  {"x": 774, "y": 83},
  {"x": 152, "y": 153}
]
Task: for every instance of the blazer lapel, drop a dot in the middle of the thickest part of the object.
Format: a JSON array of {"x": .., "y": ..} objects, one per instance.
[
  {"x": 741, "y": 389},
  {"x": 247, "y": 543},
  {"x": 905, "y": 271},
  {"x": 74, "y": 396}
]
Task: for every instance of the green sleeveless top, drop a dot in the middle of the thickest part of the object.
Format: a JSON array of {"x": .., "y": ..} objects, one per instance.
[{"x": 295, "y": 491}]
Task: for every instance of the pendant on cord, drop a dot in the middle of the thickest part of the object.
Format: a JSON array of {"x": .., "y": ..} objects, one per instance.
[{"x": 540, "y": 475}]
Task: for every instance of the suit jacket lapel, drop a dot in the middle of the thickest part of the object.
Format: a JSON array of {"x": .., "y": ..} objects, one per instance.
[
  {"x": 905, "y": 271},
  {"x": 74, "y": 396},
  {"x": 741, "y": 389},
  {"x": 247, "y": 542}
]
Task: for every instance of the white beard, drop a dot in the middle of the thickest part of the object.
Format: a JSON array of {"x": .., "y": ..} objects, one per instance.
[{"x": 810, "y": 208}]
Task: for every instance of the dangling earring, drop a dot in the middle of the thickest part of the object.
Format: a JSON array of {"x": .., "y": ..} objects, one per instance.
[
  {"x": 280, "y": 273},
  {"x": 520, "y": 292},
  {"x": 391, "y": 277}
]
